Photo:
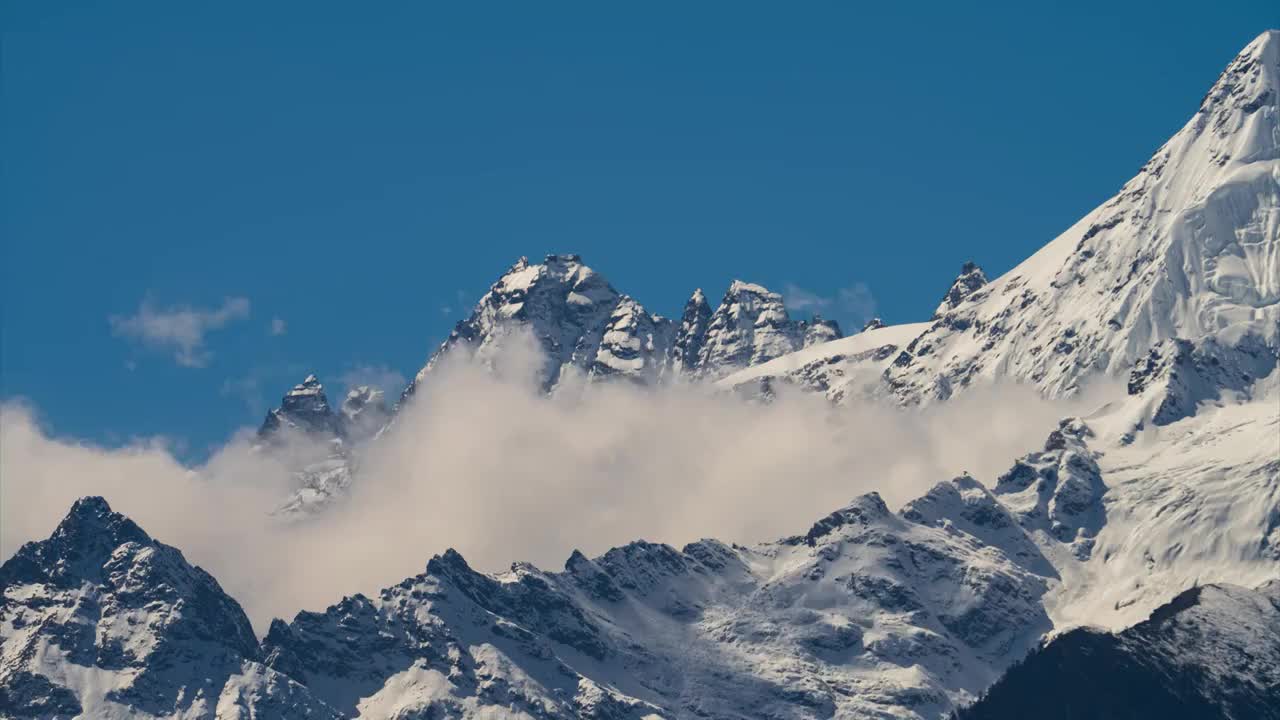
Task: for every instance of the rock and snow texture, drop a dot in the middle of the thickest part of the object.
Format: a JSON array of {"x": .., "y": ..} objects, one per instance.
[
  {"x": 691, "y": 334},
  {"x": 1174, "y": 285},
  {"x": 750, "y": 327},
  {"x": 305, "y": 409},
  {"x": 316, "y": 441},
  {"x": 102, "y": 621},
  {"x": 1189, "y": 249},
  {"x": 842, "y": 369},
  {"x": 1210, "y": 653},
  {"x": 584, "y": 327}
]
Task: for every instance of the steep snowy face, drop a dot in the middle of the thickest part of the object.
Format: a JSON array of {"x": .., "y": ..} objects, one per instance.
[
  {"x": 101, "y": 620},
  {"x": 1189, "y": 248},
  {"x": 569, "y": 309},
  {"x": 750, "y": 327},
  {"x": 1210, "y": 653},
  {"x": 305, "y": 408}
]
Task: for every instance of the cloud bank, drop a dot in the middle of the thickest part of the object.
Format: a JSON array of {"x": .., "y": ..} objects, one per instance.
[
  {"x": 482, "y": 462},
  {"x": 180, "y": 327}
]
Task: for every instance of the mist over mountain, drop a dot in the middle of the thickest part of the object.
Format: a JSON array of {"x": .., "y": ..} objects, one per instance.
[{"x": 1069, "y": 473}]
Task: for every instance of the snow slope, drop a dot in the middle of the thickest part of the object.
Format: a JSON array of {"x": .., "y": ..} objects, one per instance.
[
  {"x": 1189, "y": 248},
  {"x": 849, "y": 366}
]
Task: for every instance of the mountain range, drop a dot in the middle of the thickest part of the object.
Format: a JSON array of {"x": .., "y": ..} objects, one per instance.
[{"x": 1125, "y": 567}]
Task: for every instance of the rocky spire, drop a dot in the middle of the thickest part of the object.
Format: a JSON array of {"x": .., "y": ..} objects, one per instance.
[
  {"x": 692, "y": 333},
  {"x": 304, "y": 408},
  {"x": 970, "y": 279},
  {"x": 750, "y": 327},
  {"x": 873, "y": 324}
]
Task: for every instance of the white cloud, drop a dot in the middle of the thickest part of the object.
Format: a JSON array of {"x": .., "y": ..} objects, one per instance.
[
  {"x": 278, "y": 326},
  {"x": 490, "y": 466},
  {"x": 850, "y": 306},
  {"x": 382, "y": 377},
  {"x": 180, "y": 327}
]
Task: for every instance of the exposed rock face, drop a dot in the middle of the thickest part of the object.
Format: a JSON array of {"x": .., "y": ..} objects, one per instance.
[
  {"x": 1059, "y": 489},
  {"x": 820, "y": 330},
  {"x": 1177, "y": 375},
  {"x": 692, "y": 333},
  {"x": 634, "y": 345},
  {"x": 305, "y": 409},
  {"x": 968, "y": 282},
  {"x": 750, "y": 327},
  {"x": 102, "y": 620},
  {"x": 584, "y": 327}
]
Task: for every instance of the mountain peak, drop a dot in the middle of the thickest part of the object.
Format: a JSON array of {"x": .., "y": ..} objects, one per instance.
[
  {"x": 305, "y": 408},
  {"x": 970, "y": 279}
]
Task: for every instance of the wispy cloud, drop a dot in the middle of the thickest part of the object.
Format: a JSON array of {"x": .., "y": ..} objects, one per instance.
[
  {"x": 850, "y": 306},
  {"x": 278, "y": 326},
  {"x": 181, "y": 328},
  {"x": 380, "y": 376}
]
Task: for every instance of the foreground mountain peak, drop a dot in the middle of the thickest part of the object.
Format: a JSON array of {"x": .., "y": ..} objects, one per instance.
[{"x": 100, "y": 620}]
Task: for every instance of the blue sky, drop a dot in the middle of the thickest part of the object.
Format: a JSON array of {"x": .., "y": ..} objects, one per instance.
[{"x": 329, "y": 189}]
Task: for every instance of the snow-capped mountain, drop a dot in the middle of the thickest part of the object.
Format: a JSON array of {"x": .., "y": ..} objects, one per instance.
[
  {"x": 1187, "y": 250},
  {"x": 102, "y": 621},
  {"x": 583, "y": 326},
  {"x": 319, "y": 443},
  {"x": 305, "y": 408},
  {"x": 1155, "y": 519}
]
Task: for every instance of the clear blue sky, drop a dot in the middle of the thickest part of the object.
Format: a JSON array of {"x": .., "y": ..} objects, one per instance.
[{"x": 364, "y": 171}]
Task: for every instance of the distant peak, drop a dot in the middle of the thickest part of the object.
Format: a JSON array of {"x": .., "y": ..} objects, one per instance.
[
  {"x": 310, "y": 381},
  {"x": 873, "y": 324},
  {"x": 698, "y": 297}
]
